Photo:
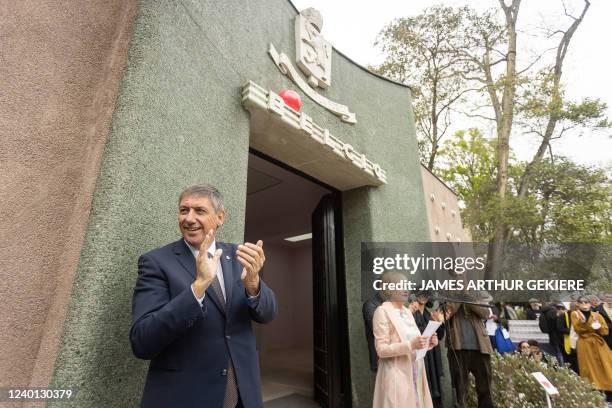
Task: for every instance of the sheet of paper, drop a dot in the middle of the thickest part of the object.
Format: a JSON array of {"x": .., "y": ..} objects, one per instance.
[
  {"x": 431, "y": 328},
  {"x": 491, "y": 327},
  {"x": 505, "y": 333}
]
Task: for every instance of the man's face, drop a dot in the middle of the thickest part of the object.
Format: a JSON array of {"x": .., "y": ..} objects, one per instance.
[
  {"x": 196, "y": 217},
  {"x": 422, "y": 300},
  {"x": 535, "y": 306}
]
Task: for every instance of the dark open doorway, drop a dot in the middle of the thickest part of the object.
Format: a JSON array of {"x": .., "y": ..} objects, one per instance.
[{"x": 304, "y": 352}]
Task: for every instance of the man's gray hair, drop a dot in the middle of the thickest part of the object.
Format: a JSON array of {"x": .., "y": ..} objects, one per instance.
[{"x": 204, "y": 190}]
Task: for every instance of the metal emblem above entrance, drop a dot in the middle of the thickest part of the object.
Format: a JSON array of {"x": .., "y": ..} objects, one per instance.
[
  {"x": 313, "y": 52},
  {"x": 313, "y": 57}
]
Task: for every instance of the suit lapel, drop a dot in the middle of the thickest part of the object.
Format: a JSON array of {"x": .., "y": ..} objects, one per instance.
[{"x": 185, "y": 257}]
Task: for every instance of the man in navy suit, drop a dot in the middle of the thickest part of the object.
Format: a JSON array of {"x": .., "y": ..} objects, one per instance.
[{"x": 192, "y": 308}]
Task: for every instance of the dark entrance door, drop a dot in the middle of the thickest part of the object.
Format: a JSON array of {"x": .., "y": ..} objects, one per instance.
[{"x": 331, "y": 359}]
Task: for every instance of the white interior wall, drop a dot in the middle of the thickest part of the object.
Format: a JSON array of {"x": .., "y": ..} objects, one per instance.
[
  {"x": 302, "y": 300},
  {"x": 288, "y": 271}
]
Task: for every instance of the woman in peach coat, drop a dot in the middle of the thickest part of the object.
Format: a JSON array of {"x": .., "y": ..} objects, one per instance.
[{"x": 401, "y": 382}]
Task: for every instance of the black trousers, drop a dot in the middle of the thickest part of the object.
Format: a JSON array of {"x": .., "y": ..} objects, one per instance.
[{"x": 463, "y": 362}]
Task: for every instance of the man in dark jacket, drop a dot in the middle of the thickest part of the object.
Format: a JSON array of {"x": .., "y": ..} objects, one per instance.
[
  {"x": 534, "y": 309},
  {"x": 548, "y": 325},
  {"x": 469, "y": 351},
  {"x": 192, "y": 308}
]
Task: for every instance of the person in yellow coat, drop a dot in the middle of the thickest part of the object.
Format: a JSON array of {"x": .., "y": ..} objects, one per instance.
[
  {"x": 594, "y": 355},
  {"x": 401, "y": 380}
]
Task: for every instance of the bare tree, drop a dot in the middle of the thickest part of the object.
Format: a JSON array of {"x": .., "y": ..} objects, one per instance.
[
  {"x": 455, "y": 53},
  {"x": 489, "y": 44},
  {"x": 423, "y": 51},
  {"x": 554, "y": 111}
]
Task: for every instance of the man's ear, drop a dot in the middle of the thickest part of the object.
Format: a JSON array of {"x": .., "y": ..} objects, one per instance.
[{"x": 220, "y": 218}]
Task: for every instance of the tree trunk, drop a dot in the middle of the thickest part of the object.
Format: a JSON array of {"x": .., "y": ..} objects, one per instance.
[
  {"x": 496, "y": 246},
  {"x": 434, "y": 126},
  {"x": 555, "y": 103}
]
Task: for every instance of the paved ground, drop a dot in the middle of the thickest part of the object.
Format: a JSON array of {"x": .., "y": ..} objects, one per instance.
[{"x": 292, "y": 401}]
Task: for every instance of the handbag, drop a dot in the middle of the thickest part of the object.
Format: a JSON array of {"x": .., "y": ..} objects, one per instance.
[
  {"x": 503, "y": 342},
  {"x": 573, "y": 337}
]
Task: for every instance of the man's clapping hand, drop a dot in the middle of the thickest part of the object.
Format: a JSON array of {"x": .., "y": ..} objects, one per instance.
[
  {"x": 252, "y": 258},
  {"x": 206, "y": 268}
]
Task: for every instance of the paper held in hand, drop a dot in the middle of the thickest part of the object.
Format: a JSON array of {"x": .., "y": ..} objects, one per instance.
[
  {"x": 431, "y": 328},
  {"x": 491, "y": 327}
]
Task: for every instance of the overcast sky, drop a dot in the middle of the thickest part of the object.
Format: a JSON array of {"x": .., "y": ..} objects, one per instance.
[{"x": 352, "y": 27}]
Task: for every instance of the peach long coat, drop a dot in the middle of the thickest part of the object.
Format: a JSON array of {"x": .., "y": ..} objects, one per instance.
[{"x": 394, "y": 380}]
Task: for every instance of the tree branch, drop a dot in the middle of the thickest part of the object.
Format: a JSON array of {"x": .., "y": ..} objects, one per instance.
[{"x": 476, "y": 115}]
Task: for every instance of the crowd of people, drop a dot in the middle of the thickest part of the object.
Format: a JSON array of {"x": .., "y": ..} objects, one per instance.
[{"x": 578, "y": 332}]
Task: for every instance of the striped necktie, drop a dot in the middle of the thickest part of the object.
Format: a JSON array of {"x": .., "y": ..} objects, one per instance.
[{"x": 231, "y": 391}]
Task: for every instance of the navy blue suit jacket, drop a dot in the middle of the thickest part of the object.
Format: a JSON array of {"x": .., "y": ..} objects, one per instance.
[{"x": 190, "y": 346}]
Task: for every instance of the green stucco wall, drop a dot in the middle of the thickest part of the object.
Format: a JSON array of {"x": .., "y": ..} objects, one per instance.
[{"x": 179, "y": 121}]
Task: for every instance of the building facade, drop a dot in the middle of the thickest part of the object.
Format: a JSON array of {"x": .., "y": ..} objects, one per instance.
[{"x": 112, "y": 108}]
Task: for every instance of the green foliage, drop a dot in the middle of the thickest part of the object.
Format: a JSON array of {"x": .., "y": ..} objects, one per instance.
[
  {"x": 415, "y": 47},
  {"x": 513, "y": 386},
  {"x": 574, "y": 202},
  {"x": 566, "y": 203},
  {"x": 470, "y": 169},
  {"x": 542, "y": 98}
]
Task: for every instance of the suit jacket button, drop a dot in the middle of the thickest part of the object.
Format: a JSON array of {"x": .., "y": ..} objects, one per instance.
[
  {"x": 224, "y": 372},
  {"x": 228, "y": 337}
]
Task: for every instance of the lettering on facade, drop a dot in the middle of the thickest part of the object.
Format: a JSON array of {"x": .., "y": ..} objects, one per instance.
[{"x": 256, "y": 98}]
